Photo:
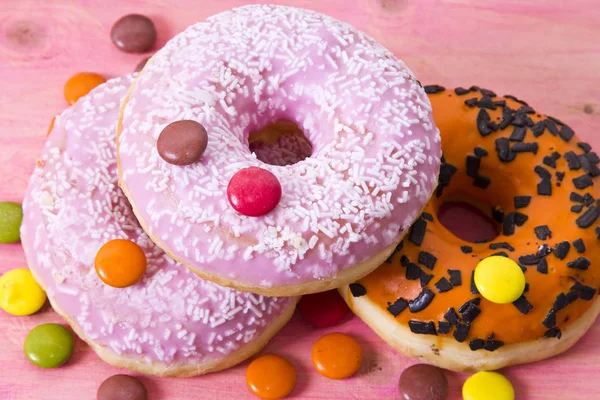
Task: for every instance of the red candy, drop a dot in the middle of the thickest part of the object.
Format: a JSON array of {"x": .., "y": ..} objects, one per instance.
[
  {"x": 254, "y": 191},
  {"x": 323, "y": 310}
]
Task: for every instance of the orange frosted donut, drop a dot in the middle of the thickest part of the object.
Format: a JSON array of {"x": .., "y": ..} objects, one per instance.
[{"x": 531, "y": 174}]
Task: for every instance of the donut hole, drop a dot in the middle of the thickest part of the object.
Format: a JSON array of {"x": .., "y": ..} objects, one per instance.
[
  {"x": 468, "y": 220},
  {"x": 280, "y": 143}
]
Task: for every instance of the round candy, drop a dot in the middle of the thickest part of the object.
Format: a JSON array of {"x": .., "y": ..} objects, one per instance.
[
  {"x": 120, "y": 263},
  {"x": 337, "y": 356},
  {"x": 324, "y": 309},
  {"x": 134, "y": 33},
  {"x": 11, "y": 215},
  {"x": 271, "y": 377},
  {"x": 423, "y": 382},
  {"x": 122, "y": 387},
  {"x": 488, "y": 385},
  {"x": 499, "y": 279},
  {"x": 20, "y": 294},
  {"x": 182, "y": 142},
  {"x": 140, "y": 66},
  {"x": 254, "y": 191},
  {"x": 49, "y": 345},
  {"x": 80, "y": 84}
]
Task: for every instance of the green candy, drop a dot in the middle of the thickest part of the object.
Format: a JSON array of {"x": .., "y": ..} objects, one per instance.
[
  {"x": 11, "y": 215},
  {"x": 49, "y": 345}
]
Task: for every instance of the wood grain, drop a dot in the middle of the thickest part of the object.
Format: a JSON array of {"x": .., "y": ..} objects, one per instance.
[{"x": 546, "y": 52}]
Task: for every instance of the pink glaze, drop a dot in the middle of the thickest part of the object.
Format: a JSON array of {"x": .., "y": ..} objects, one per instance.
[
  {"x": 73, "y": 206},
  {"x": 375, "y": 147}
]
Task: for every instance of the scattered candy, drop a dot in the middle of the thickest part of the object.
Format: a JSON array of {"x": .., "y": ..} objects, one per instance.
[
  {"x": 499, "y": 279},
  {"x": 271, "y": 377},
  {"x": 254, "y": 191},
  {"x": 49, "y": 345},
  {"x": 120, "y": 263},
  {"x": 423, "y": 382},
  {"x": 182, "y": 142},
  {"x": 81, "y": 84},
  {"x": 488, "y": 385},
  {"x": 134, "y": 33},
  {"x": 337, "y": 356},
  {"x": 141, "y": 64},
  {"x": 20, "y": 294},
  {"x": 322, "y": 310},
  {"x": 122, "y": 387},
  {"x": 11, "y": 215}
]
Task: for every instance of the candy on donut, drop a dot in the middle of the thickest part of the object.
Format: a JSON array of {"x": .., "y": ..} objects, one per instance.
[
  {"x": 374, "y": 163},
  {"x": 169, "y": 322},
  {"x": 435, "y": 298}
]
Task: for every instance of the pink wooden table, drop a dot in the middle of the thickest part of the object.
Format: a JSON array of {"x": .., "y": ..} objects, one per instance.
[{"x": 546, "y": 52}]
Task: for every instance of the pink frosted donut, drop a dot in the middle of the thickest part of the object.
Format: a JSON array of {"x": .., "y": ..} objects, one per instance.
[
  {"x": 169, "y": 323},
  {"x": 375, "y": 160}
]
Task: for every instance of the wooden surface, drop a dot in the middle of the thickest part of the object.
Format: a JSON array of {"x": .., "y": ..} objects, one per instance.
[{"x": 546, "y": 52}]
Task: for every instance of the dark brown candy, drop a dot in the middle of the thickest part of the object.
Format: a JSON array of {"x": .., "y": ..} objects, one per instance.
[
  {"x": 122, "y": 387},
  {"x": 182, "y": 142},
  {"x": 134, "y": 33},
  {"x": 141, "y": 64},
  {"x": 423, "y": 382}
]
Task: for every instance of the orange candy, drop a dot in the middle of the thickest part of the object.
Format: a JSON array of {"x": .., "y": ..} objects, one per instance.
[
  {"x": 120, "y": 263},
  {"x": 51, "y": 126},
  {"x": 271, "y": 377},
  {"x": 337, "y": 356},
  {"x": 80, "y": 84}
]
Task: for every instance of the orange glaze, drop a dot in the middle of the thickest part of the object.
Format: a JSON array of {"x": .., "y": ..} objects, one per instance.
[
  {"x": 337, "y": 356},
  {"x": 457, "y": 123},
  {"x": 271, "y": 377}
]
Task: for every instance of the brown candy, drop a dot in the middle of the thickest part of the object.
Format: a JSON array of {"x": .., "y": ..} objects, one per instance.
[
  {"x": 423, "y": 382},
  {"x": 134, "y": 33},
  {"x": 122, "y": 387},
  {"x": 141, "y": 64},
  {"x": 182, "y": 142}
]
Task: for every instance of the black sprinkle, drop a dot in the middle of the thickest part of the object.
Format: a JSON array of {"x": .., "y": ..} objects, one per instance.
[
  {"x": 508, "y": 96},
  {"x": 542, "y": 266},
  {"x": 501, "y": 245},
  {"x": 417, "y": 231},
  {"x": 476, "y": 344},
  {"x": 473, "y": 286},
  {"x": 455, "y": 277},
  {"x": 522, "y": 201},
  {"x": 423, "y": 328},
  {"x": 550, "y": 320},
  {"x": 577, "y": 209},
  {"x": 566, "y": 133},
  {"x": 466, "y": 249},
  {"x": 544, "y": 188},
  {"x": 484, "y": 124},
  {"x": 526, "y": 110},
  {"x": 523, "y": 304},
  {"x": 507, "y": 117},
  {"x": 431, "y": 89},
  {"x": 357, "y": 290},
  {"x": 562, "y": 249},
  {"x": 587, "y": 218},
  {"x": 526, "y": 289},
  {"x": 413, "y": 271},
  {"x": 398, "y": 248},
  {"x": 592, "y": 157},
  {"x": 579, "y": 245},
  {"x": 580, "y": 263},
  {"x": 498, "y": 214},
  {"x": 598, "y": 232},
  {"x": 543, "y": 232},
  {"x": 560, "y": 302},
  {"x": 486, "y": 102},
  {"x": 492, "y": 345},
  {"x": 559, "y": 176},
  {"x": 461, "y": 332},
  {"x": 482, "y": 181},
  {"x": 576, "y": 197},
  {"x": 480, "y": 152},
  {"x": 404, "y": 260},
  {"x": 487, "y": 92},
  {"x": 551, "y": 126},
  {"x": 421, "y": 301},
  {"x": 398, "y": 306},
  {"x": 425, "y": 278},
  {"x": 443, "y": 285},
  {"x": 538, "y": 128},
  {"x": 508, "y": 225},
  {"x": 520, "y": 218},
  {"x": 470, "y": 313},
  {"x": 451, "y": 316},
  {"x": 589, "y": 167},
  {"x": 500, "y": 253},
  {"x": 444, "y": 327},
  {"x": 584, "y": 146},
  {"x": 520, "y": 119},
  {"x": 530, "y": 259},
  {"x": 500, "y": 103},
  {"x": 588, "y": 293},
  {"x": 427, "y": 217},
  {"x": 588, "y": 199},
  {"x": 525, "y": 148},
  {"x": 473, "y": 164},
  {"x": 553, "y": 333},
  {"x": 427, "y": 259},
  {"x": 518, "y": 134},
  {"x": 572, "y": 296},
  {"x": 583, "y": 181},
  {"x": 544, "y": 250},
  {"x": 572, "y": 160},
  {"x": 503, "y": 149},
  {"x": 461, "y": 91},
  {"x": 471, "y": 102},
  {"x": 542, "y": 172},
  {"x": 549, "y": 161},
  {"x": 476, "y": 301}
]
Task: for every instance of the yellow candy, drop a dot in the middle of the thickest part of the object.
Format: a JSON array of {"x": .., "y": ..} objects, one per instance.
[
  {"x": 488, "y": 386},
  {"x": 499, "y": 279},
  {"x": 20, "y": 294}
]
